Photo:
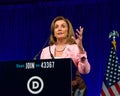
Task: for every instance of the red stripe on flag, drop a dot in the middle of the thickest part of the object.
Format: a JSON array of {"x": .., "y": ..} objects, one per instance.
[
  {"x": 117, "y": 87},
  {"x": 110, "y": 91},
  {"x": 103, "y": 93}
]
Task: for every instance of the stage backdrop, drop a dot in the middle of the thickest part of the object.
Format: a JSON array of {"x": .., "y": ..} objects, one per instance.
[{"x": 25, "y": 30}]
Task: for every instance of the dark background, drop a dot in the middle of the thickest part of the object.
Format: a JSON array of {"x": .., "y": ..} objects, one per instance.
[{"x": 25, "y": 29}]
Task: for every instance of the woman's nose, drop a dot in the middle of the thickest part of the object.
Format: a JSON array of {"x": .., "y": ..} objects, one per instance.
[{"x": 59, "y": 28}]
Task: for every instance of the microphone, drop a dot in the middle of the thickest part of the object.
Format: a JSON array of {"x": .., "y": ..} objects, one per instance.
[
  {"x": 35, "y": 57},
  {"x": 51, "y": 53}
]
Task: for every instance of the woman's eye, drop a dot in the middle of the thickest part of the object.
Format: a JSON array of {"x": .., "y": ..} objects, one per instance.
[
  {"x": 56, "y": 26},
  {"x": 63, "y": 26}
]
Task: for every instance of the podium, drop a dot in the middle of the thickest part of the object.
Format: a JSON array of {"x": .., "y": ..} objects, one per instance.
[{"x": 49, "y": 77}]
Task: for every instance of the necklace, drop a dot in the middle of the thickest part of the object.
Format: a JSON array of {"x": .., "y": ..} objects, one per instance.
[{"x": 60, "y": 50}]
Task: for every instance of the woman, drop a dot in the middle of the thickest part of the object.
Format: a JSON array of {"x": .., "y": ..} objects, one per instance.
[{"x": 63, "y": 44}]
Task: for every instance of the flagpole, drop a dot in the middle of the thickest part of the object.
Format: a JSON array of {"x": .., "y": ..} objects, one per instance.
[{"x": 111, "y": 82}]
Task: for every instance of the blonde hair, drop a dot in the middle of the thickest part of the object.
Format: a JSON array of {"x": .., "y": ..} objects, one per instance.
[{"x": 70, "y": 30}]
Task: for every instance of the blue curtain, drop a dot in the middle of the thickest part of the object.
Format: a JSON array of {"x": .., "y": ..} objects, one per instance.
[{"x": 25, "y": 29}]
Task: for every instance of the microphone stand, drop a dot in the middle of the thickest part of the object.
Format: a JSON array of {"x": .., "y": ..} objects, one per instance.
[{"x": 35, "y": 57}]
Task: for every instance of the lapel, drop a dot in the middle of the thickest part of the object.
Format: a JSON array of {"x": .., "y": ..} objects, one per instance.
[{"x": 67, "y": 51}]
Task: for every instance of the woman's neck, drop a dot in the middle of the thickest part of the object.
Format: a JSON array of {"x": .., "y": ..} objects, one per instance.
[{"x": 61, "y": 42}]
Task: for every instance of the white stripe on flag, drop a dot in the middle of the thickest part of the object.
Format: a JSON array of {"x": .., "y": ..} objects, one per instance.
[
  {"x": 114, "y": 90},
  {"x": 105, "y": 90},
  {"x": 119, "y": 83}
]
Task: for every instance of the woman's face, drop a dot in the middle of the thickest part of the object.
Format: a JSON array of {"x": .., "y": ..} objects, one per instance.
[{"x": 61, "y": 29}]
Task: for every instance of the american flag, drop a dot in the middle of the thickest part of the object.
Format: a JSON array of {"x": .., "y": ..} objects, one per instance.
[{"x": 111, "y": 83}]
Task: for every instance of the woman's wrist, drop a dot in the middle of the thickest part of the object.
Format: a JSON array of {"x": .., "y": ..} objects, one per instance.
[{"x": 80, "y": 46}]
